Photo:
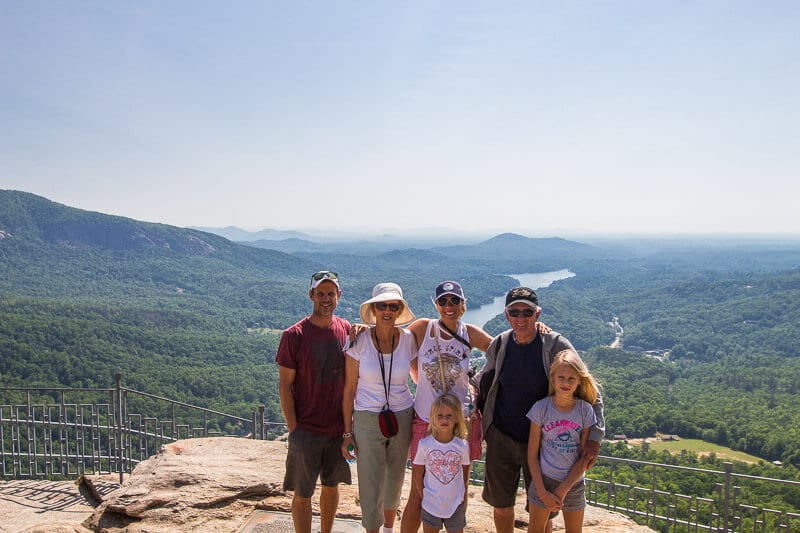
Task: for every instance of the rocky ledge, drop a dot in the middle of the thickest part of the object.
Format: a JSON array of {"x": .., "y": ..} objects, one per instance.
[{"x": 217, "y": 484}]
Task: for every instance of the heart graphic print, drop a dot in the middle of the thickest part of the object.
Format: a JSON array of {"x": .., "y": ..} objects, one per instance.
[{"x": 444, "y": 466}]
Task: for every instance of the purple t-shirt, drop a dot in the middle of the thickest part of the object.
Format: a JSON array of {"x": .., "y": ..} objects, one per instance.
[
  {"x": 316, "y": 355},
  {"x": 561, "y": 435}
]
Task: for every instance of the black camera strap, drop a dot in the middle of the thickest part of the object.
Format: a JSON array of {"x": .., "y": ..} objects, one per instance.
[{"x": 383, "y": 370}]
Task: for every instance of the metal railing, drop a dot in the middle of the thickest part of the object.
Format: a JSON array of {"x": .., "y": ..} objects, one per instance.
[
  {"x": 68, "y": 432},
  {"x": 731, "y": 510}
]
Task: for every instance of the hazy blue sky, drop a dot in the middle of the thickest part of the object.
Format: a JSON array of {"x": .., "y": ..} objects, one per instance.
[{"x": 535, "y": 117}]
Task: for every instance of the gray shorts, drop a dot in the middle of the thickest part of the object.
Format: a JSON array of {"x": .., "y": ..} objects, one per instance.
[
  {"x": 574, "y": 500},
  {"x": 456, "y": 522},
  {"x": 311, "y": 456}
]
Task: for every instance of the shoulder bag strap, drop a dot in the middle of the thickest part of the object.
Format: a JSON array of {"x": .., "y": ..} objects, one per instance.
[{"x": 455, "y": 335}]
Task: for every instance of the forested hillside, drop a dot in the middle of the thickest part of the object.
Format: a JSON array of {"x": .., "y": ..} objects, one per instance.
[
  {"x": 732, "y": 339},
  {"x": 190, "y": 315}
]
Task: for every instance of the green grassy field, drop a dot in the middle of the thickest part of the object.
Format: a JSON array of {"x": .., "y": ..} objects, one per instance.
[{"x": 700, "y": 447}]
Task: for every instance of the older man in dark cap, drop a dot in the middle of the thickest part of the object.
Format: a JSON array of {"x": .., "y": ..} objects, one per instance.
[{"x": 517, "y": 375}]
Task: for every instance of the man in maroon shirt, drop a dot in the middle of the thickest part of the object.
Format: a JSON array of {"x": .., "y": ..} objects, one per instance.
[{"x": 311, "y": 372}]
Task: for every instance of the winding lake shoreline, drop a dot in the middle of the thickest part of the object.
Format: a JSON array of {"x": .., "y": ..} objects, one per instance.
[{"x": 535, "y": 280}]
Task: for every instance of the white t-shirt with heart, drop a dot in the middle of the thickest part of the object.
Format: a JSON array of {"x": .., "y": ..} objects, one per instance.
[{"x": 443, "y": 484}]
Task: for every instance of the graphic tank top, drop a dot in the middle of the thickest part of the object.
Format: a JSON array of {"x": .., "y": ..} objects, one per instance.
[{"x": 454, "y": 370}]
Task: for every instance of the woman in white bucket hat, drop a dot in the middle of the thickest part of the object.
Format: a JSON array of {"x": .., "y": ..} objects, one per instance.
[{"x": 377, "y": 368}]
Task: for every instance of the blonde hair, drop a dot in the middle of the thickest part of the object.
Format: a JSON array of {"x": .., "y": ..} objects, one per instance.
[
  {"x": 449, "y": 399},
  {"x": 588, "y": 389}
]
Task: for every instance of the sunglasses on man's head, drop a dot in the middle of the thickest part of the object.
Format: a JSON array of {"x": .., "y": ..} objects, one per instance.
[
  {"x": 444, "y": 300},
  {"x": 527, "y": 313},
  {"x": 382, "y": 306},
  {"x": 324, "y": 274}
]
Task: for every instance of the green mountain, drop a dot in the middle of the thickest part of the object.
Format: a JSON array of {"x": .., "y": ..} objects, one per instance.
[{"x": 51, "y": 250}]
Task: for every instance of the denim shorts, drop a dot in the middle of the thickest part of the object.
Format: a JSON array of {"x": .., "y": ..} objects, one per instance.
[{"x": 574, "y": 500}]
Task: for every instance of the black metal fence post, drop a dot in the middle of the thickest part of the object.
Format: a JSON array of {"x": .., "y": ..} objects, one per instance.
[{"x": 120, "y": 426}]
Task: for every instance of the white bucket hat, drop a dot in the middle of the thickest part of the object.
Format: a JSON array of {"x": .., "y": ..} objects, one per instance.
[{"x": 386, "y": 292}]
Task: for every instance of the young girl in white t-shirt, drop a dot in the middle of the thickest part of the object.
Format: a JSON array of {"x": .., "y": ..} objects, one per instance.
[{"x": 441, "y": 468}]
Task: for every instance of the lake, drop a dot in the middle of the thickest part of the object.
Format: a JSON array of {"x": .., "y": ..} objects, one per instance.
[{"x": 536, "y": 280}]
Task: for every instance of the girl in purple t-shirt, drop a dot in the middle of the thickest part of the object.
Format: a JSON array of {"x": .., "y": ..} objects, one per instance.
[{"x": 560, "y": 426}]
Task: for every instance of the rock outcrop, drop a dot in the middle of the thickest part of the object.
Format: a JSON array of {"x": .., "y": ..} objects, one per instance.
[{"x": 216, "y": 484}]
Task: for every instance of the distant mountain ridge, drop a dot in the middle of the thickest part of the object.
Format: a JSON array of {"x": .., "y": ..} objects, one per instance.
[
  {"x": 35, "y": 217},
  {"x": 241, "y": 235},
  {"x": 52, "y": 250},
  {"x": 510, "y": 247},
  {"x": 424, "y": 236},
  {"x": 503, "y": 247}
]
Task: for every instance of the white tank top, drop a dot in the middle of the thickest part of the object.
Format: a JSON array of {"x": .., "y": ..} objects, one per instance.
[{"x": 451, "y": 376}]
